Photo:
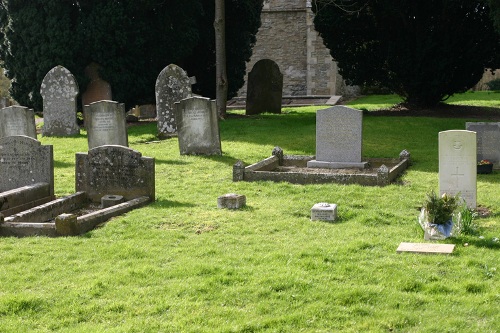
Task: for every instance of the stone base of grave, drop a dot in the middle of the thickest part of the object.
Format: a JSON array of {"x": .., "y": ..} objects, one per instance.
[
  {"x": 324, "y": 212},
  {"x": 231, "y": 201},
  {"x": 337, "y": 165},
  {"x": 111, "y": 200}
]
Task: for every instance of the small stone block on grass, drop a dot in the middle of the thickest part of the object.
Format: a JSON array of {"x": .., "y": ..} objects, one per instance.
[
  {"x": 67, "y": 225},
  {"x": 231, "y": 201},
  {"x": 324, "y": 212},
  {"x": 426, "y": 248}
]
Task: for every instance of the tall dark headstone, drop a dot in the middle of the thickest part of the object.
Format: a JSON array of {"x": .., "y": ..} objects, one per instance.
[
  {"x": 59, "y": 90},
  {"x": 265, "y": 88}
]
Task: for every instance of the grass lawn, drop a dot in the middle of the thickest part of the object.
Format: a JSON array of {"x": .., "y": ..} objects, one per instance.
[{"x": 182, "y": 265}]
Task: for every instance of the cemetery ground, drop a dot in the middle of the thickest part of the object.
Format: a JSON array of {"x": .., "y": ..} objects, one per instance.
[{"x": 181, "y": 264}]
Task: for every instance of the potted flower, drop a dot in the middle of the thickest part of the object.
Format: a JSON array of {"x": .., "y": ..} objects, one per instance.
[
  {"x": 484, "y": 166},
  {"x": 436, "y": 216}
]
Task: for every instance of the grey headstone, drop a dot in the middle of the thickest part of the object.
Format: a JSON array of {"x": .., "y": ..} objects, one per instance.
[
  {"x": 17, "y": 120},
  {"x": 106, "y": 124},
  {"x": 488, "y": 141},
  {"x": 172, "y": 85},
  {"x": 116, "y": 170},
  {"x": 265, "y": 88},
  {"x": 24, "y": 161},
  {"x": 457, "y": 165},
  {"x": 198, "y": 126},
  {"x": 339, "y": 138},
  {"x": 59, "y": 90}
]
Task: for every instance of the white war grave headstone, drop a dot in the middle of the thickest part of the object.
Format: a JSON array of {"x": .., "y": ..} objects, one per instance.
[
  {"x": 106, "y": 124},
  {"x": 457, "y": 165},
  {"x": 17, "y": 120},
  {"x": 338, "y": 138},
  {"x": 172, "y": 85},
  {"x": 59, "y": 90},
  {"x": 198, "y": 126},
  {"x": 488, "y": 141}
]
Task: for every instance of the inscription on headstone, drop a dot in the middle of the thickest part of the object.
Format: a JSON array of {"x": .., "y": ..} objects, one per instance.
[
  {"x": 457, "y": 164},
  {"x": 265, "y": 88},
  {"x": 106, "y": 124},
  {"x": 488, "y": 141},
  {"x": 24, "y": 161},
  {"x": 339, "y": 138},
  {"x": 17, "y": 120},
  {"x": 324, "y": 212},
  {"x": 172, "y": 85},
  {"x": 115, "y": 170},
  {"x": 198, "y": 126},
  {"x": 59, "y": 91}
]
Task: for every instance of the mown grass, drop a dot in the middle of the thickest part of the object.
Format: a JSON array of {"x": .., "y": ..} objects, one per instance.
[{"x": 182, "y": 265}]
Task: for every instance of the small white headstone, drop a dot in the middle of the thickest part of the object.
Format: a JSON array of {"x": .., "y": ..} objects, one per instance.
[
  {"x": 324, "y": 212},
  {"x": 457, "y": 164}
]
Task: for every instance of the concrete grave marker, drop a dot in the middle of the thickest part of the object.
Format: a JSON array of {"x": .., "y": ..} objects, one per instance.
[
  {"x": 339, "y": 132},
  {"x": 198, "y": 126},
  {"x": 488, "y": 141},
  {"x": 324, "y": 212},
  {"x": 106, "y": 124},
  {"x": 172, "y": 85},
  {"x": 116, "y": 171},
  {"x": 24, "y": 161},
  {"x": 59, "y": 90},
  {"x": 457, "y": 164},
  {"x": 426, "y": 248},
  {"x": 265, "y": 88},
  {"x": 17, "y": 120}
]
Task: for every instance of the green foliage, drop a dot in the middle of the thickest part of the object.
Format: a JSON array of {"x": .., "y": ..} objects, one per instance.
[
  {"x": 494, "y": 85},
  {"x": 425, "y": 51},
  {"x": 4, "y": 84},
  {"x": 466, "y": 221},
  {"x": 131, "y": 40},
  {"x": 440, "y": 208}
]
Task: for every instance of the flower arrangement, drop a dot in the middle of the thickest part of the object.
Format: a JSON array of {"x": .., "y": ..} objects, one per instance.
[
  {"x": 484, "y": 162},
  {"x": 440, "y": 209}
]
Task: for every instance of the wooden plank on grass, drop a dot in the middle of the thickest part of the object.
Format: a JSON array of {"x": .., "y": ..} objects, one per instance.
[{"x": 426, "y": 248}]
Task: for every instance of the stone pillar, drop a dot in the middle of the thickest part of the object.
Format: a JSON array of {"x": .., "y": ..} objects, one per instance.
[{"x": 238, "y": 171}]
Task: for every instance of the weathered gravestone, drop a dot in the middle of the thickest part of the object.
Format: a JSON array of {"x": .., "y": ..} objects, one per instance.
[
  {"x": 198, "y": 126},
  {"x": 457, "y": 165},
  {"x": 59, "y": 90},
  {"x": 24, "y": 161},
  {"x": 338, "y": 138},
  {"x": 265, "y": 88},
  {"x": 172, "y": 85},
  {"x": 106, "y": 124},
  {"x": 17, "y": 120},
  {"x": 115, "y": 170},
  {"x": 488, "y": 141}
]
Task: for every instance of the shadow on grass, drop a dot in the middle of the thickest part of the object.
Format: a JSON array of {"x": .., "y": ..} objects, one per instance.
[
  {"x": 171, "y": 162},
  {"x": 162, "y": 204},
  {"x": 59, "y": 164}
]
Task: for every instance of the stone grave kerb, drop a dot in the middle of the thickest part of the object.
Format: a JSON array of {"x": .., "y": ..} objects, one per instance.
[{"x": 59, "y": 91}]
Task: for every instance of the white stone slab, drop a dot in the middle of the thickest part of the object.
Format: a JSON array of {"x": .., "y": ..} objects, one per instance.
[
  {"x": 324, "y": 212},
  {"x": 426, "y": 248},
  {"x": 457, "y": 165}
]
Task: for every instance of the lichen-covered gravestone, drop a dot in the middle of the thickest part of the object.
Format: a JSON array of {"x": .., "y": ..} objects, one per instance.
[
  {"x": 24, "y": 161},
  {"x": 265, "y": 88},
  {"x": 115, "y": 170},
  {"x": 172, "y": 85},
  {"x": 59, "y": 90},
  {"x": 488, "y": 139},
  {"x": 17, "y": 120},
  {"x": 198, "y": 126},
  {"x": 339, "y": 138},
  {"x": 106, "y": 124},
  {"x": 457, "y": 165}
]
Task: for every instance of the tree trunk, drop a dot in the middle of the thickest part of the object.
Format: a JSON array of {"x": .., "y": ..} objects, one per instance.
[{"x": 220, "y": 57}]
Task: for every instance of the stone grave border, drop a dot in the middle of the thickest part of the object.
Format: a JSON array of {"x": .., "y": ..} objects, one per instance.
[{"x": 387, "y": 170}]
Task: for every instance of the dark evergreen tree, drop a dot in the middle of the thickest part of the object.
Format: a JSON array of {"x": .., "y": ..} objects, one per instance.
[
  {"x": 131, "y": 40},
  {"x": 425, "y": 51}
]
